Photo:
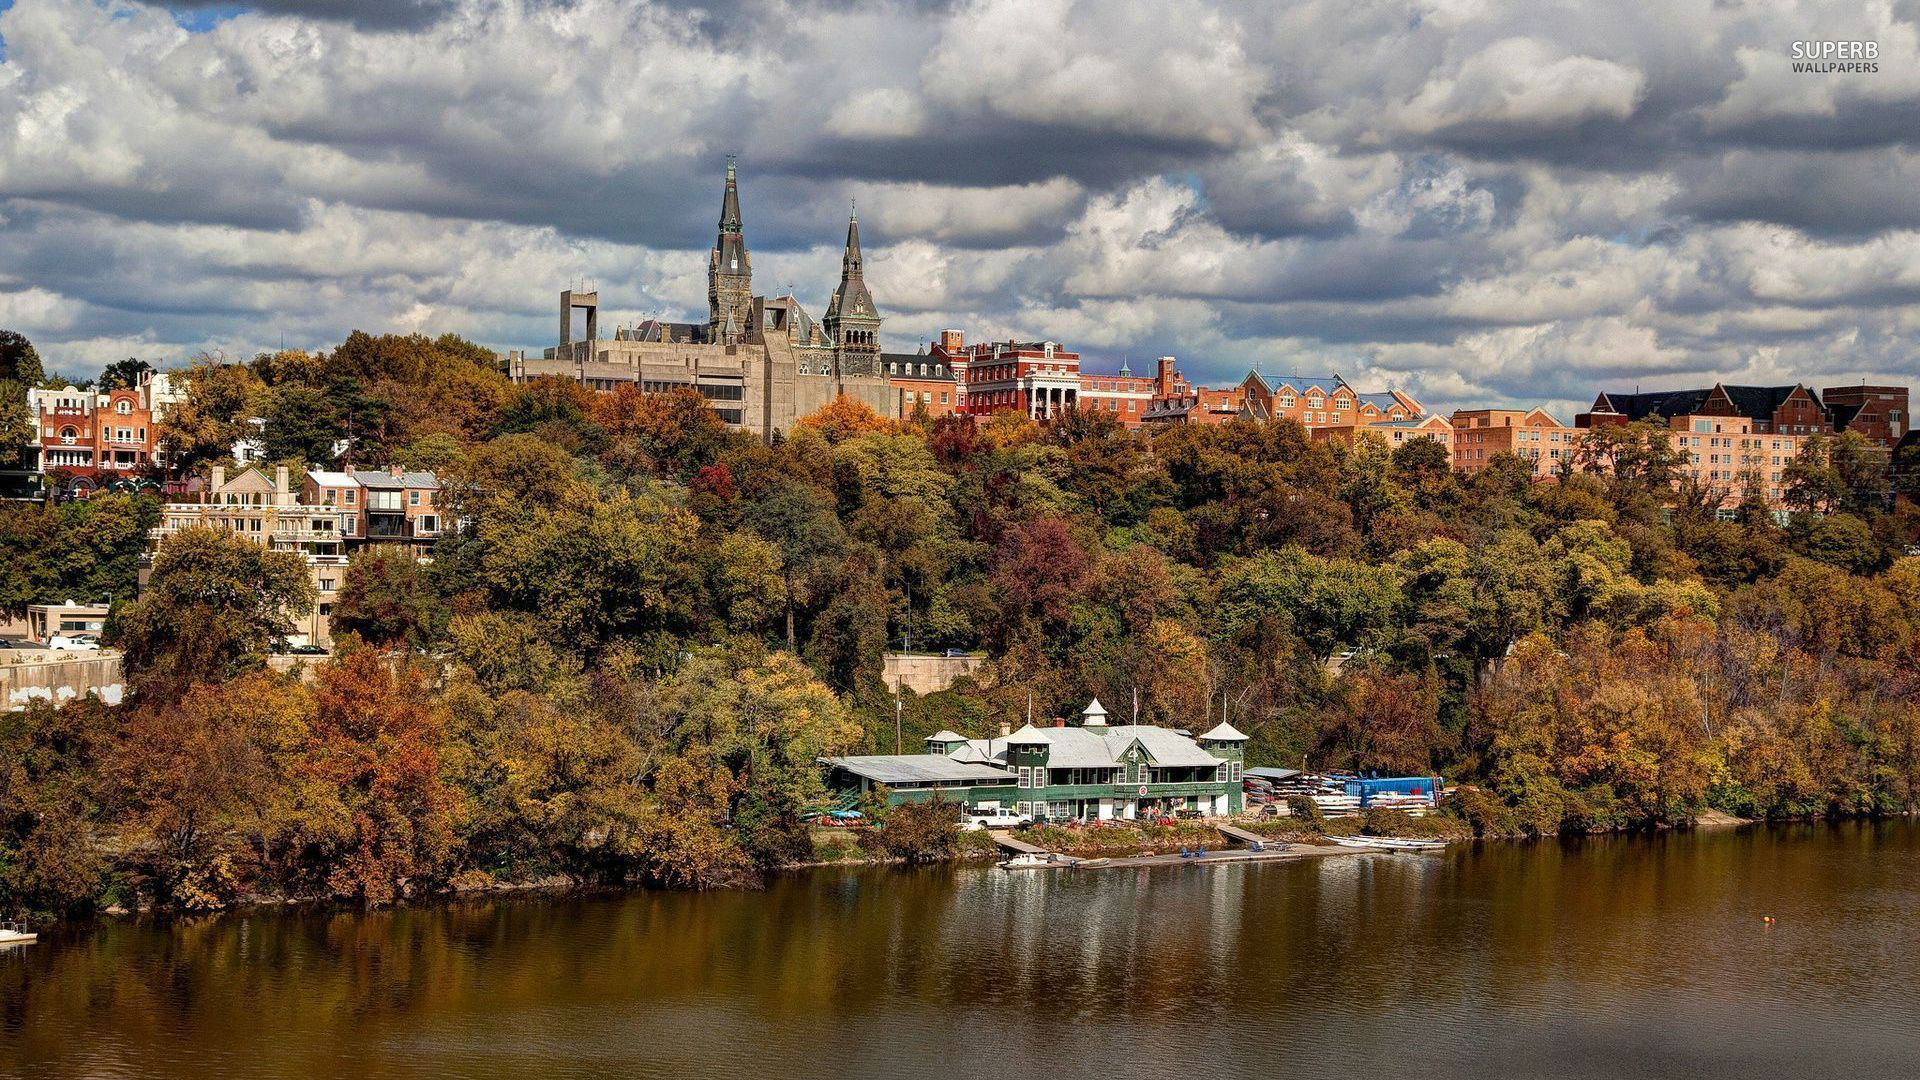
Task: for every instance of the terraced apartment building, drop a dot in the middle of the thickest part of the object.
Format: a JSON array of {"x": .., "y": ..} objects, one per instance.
[{"x": 1092, "y": 772}]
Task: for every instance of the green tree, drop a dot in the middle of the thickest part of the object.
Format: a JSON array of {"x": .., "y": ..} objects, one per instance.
[
  {"x": 123, "y": 374},
  {"x": 215, "y": 604},
  {"x": 19, "y": 363},
  {"x": 302, "y": 424}
]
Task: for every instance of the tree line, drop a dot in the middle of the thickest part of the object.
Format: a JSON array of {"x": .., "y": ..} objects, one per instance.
[{"x": 622, "y": 663}]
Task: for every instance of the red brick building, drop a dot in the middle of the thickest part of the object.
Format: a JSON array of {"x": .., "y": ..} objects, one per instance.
[
  {"x": 922, "y": 381},
  {"x": 1877, "y": 412},
  {"x": 89, "y": 439},
  {"x": 1039, "y": 378},
  {"x": 1323, "y": 401}
]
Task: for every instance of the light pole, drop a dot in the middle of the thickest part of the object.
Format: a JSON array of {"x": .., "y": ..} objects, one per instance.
[{"x": 896, "y": 720}]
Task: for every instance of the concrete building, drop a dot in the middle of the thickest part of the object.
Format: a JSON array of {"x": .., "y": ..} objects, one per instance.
[
  {"x": 1531, "y": 434},
  {"x": 761, "y": 363},
  {"x": 1093, "y": 772}
]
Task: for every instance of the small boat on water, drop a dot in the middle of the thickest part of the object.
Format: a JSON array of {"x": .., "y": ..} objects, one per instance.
[
  {"x": 1089, "y": 864},
  {"x": 1388, "y": 843},
  {"x": 12, "y": 933},
  {"x": 1032, "y": 861}
]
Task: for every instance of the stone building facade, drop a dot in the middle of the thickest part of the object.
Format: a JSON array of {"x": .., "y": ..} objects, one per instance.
[{"x": 761, "y": 362}]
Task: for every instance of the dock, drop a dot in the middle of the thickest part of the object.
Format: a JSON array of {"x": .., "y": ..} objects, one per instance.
[
  {"x": 1018, "y": 847},
  {"x": 16, "y": 934},
  {"x": 1242, "y": 836}
]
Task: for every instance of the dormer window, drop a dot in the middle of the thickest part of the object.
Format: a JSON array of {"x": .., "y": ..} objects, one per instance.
[{"x": 123, "y": 407}]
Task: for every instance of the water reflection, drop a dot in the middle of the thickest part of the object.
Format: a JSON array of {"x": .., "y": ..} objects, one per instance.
[{"x": 1605, "y": 957}]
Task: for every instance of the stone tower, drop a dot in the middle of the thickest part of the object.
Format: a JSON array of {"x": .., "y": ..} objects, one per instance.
[
  {"x": 729, "y": 273},
  {"x": 852, "y": 323}
]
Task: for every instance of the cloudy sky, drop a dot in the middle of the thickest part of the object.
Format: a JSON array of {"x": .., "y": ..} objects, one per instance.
[{"x": 1477, "y": 201}]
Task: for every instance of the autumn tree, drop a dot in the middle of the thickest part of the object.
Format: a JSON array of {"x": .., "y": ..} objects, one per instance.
[
  {"x": 194, "y": 779},
  {"x": 387, "y": 599},
  {"x": 845, "y": 417},
  {"x": 376, "y": 820}
]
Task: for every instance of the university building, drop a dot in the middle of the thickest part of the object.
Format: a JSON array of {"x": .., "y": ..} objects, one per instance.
[
  {"x": 761, "y": 362},
  {"x": 1092, "y": 772}
]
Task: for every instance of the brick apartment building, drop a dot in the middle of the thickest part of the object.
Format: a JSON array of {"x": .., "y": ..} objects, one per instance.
[
  {"x": 1395, "y": 433},
  {"x": 923, "y": 381},
  {"x": 1039, "y": 378},
  {"x": 1531, "y": 434},
  {"x": 323, "y": 520},
  {"x": 1876, "y": 412},
  {"x": 1323, "y": 401},
  {"x": 1737, "y": 439}
]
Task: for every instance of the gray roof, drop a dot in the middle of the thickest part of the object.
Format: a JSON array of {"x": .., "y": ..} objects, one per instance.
[
  {"x": 1100, "y": 747},
  {"x": 1165, "y": 745},
  {"x": 1225, "y": 732},
  {"x": 916, "y": 769},
  {"x": 327, "y": 478},
  {"x": 388, "y": 481},
  {"x": 1274, "y": 774},
  {"x": 944, "y": 735}
]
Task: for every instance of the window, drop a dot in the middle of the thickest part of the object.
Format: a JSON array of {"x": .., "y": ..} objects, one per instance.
[
  {"x": 428, "y": 523},
  {"x": 1026, "y": 777},
  {"x": 350, "y": 496},
  {"x": 123, "y": 407},
  {"x": 349, "y": 524},
  {"x": 326, "y": 609}
]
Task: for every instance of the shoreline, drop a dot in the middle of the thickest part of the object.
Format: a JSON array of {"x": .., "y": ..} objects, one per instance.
[{"x": 1287, "y": 847}]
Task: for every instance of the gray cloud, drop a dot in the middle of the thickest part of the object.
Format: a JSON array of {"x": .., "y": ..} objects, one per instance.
[{"x": 1479, "y": 201}]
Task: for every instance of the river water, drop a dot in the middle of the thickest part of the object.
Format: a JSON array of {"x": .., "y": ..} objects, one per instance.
[{"x": 1615, "y": 957}]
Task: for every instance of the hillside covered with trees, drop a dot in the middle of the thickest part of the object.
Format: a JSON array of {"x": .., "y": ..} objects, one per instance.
[{"x": 624, "y": 662}]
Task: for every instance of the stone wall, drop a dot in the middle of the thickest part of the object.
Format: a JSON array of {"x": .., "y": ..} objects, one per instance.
[
  {"x": 926, "y": 673},
  {"x": 58, "y": 676}
]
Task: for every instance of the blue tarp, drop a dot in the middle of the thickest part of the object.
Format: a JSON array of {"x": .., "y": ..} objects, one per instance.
[{"x": 1368, "y": 787}]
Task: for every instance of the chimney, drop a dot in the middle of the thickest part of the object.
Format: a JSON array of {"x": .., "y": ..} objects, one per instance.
[
  {"x": 349, "y": 468},
  {"x": 280, "y": 485},
  {"x": 1006, "y": 729},
  {"x": 1059, "y": 721},
  {"x": 218, "y": 481}
]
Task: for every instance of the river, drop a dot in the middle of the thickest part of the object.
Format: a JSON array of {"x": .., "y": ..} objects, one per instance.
[{"x": 1611, "y": 957}]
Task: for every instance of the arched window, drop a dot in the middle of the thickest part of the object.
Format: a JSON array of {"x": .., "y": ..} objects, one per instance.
[{"x": 123, "y": 407}]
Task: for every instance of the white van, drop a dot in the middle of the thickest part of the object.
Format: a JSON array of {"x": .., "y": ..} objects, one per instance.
[
  {"x": 992, "y": 816},
  {"x": 73, "y": 642}
]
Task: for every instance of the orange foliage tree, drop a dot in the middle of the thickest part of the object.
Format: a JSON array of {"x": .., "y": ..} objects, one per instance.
[
  {"x": 844, "y": 418},
  {"x": 376, "y": 822}
]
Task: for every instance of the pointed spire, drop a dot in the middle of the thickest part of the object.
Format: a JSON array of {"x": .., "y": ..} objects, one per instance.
[
  {"x": 730, "y": 202},
  {"x": 850, "y": 262}
]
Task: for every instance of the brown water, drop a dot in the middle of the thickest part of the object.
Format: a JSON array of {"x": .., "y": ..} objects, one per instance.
[{"x": 1604, "y": 958}]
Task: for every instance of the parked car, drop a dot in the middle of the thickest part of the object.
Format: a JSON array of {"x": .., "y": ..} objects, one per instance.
[
  {"x": 994, "y": 818},
  {"x": 74, "y": 642},
  {"x": 958, "y": 652}
]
